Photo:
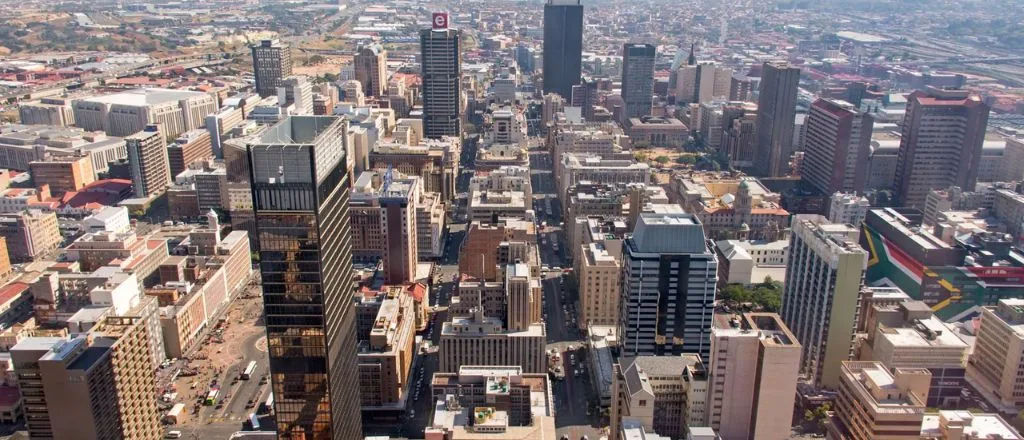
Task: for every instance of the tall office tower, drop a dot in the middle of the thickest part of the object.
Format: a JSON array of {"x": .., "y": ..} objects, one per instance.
[
  {"x": 824, "y": 274},
  {"x": 836, "y": 147},
  {"x": 271, "y": 63},
  {"x": 943, "y": 131},
  {"x": 371, "y": 69},
  {"x": 776, "y": 118},
  {"x": 754, "y": 365},
  {"x": 383, "y": 221},
  {"x": 150, "y": 166},
  {"x": 298, "y": 91},
  {"x": 638, "y": 78},
  {"x": 441, "y": 56},
  {"x": 584, "y": 96},
  {"x": 300, "y": 197},
  {"x": 668, "y": 287},
  {"x": 563, "y": 46}
]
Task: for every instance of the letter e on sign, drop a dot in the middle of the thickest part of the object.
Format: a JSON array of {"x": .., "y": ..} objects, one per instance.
[{"x": 440, "y": 20}]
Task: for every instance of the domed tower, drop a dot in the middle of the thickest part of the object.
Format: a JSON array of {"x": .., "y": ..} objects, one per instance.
[{"x": 743, "y": 205}]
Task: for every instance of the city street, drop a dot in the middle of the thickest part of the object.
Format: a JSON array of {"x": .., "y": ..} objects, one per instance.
[{"x": 575, "y": 415}]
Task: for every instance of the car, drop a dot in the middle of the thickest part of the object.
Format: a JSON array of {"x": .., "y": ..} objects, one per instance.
[{"x": 173, "y": 434}]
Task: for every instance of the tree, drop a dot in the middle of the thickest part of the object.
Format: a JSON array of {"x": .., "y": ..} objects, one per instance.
[
  {"x": 315, "y": 59},
  {"x": 818, "y": 416},
  {"x": 735, "y": 294},
  {"x": 686, "y": 159},
  {"x": 661, "y": 159}
]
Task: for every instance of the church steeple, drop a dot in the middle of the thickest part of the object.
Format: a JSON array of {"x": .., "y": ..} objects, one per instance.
[{"x": 692, "y": 59}]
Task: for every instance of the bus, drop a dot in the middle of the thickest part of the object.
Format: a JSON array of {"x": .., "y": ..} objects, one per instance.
[
  {"x": 268, "y": 406},
  {"x": 254, "y": 422},
  {"x": 249, "y": 370},
  {"x": 211, "y": 397}
]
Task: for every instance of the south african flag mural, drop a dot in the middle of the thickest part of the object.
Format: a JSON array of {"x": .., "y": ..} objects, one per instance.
[{"x": 954, "y": 293}]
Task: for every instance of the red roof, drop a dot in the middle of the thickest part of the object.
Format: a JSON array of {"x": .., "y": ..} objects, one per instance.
[
  {"x": 11, "y": 291},
  {"x": 418, "y": 291}
]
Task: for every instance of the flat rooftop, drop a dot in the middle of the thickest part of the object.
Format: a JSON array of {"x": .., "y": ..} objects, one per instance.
[{"x": 145, "y": 97}]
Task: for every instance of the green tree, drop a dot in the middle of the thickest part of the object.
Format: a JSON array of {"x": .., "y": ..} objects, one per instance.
[
  {"x": 735, "y": 294},
  {"x": 818, "y": 416},
  {"x": 686, "y": 159},
  {"x": 662, "y": 159}
]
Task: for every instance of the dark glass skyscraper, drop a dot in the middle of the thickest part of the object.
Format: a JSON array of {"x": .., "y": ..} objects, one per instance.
[
  {"x": 442, "y": 81},
  {"x": 300, "y": 194},
  {"x": 776, "y": 118},
  {"x": 563, "y": 46},
  {"x": 638, "y": 78}
]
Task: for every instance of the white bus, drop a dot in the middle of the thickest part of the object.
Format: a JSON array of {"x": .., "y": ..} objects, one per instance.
[
  {"x": 254, "y": 422},
  {"x": 174, "y": 414},
  {"x": 249, "y": 370}
]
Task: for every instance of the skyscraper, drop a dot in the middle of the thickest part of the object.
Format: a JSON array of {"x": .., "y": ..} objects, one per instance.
[
  {"x": 824, "y": 274},
  {"x": 147, "y": 157},
  {"x": 271, "y": 62},
  {"x": 300, "y": 196},
  {"x": 668, "y": 287},
  {"x": 776, "y": 114},
  {"x": 563, "y": 46},
  {"x": 943, "y": 132},
  {"x": 836, "y": 147},
  {"x": 638, "y": 78},
  {"x": 371, "y": 69},
  {"x": 441, "y": 57}
]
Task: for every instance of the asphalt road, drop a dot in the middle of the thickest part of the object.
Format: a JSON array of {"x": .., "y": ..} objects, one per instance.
[{"x": 575, "y": 413}]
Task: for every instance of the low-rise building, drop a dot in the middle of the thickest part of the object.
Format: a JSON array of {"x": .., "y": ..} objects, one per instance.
[
  {"x": 967, "y": 425},
  {"x": 656, "y": 131},
  {"x": 218, "y": 276},
  {"x": 849, "y": 209},
  {"x": 575, "y": 168},
  {"x": 874, "y": 403},
  {"x": 480, "y": 340},
  {"x": 751, "y": 262},
  {"x": 63, "y": 173},
  {"x": 190, "y": 147},
  {"x": 908, "y": 335},
  {"x": 480, "y": 402},
  {"x": 30, "y": 234},
  {"x": 666, "y": 394},
  {"x": 732, "y": 208}
]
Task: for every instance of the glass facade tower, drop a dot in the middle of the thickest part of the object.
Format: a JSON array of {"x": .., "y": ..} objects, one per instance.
[{"x": 300, "y": 193}]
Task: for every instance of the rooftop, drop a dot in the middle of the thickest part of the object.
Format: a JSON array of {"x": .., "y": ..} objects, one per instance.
[
  {"x": 145, "y": 97},
  {"x": 976, "y": 426}
]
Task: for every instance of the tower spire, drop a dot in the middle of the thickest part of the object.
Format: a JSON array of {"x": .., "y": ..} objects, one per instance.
[{"x": 692, "y": 59}]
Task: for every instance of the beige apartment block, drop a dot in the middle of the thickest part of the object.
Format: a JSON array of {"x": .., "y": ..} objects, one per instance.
[
  {"x": 755, "y": 362},
  {"x": 995, "y": 364},
  {"x": 599, "y": 285}
]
